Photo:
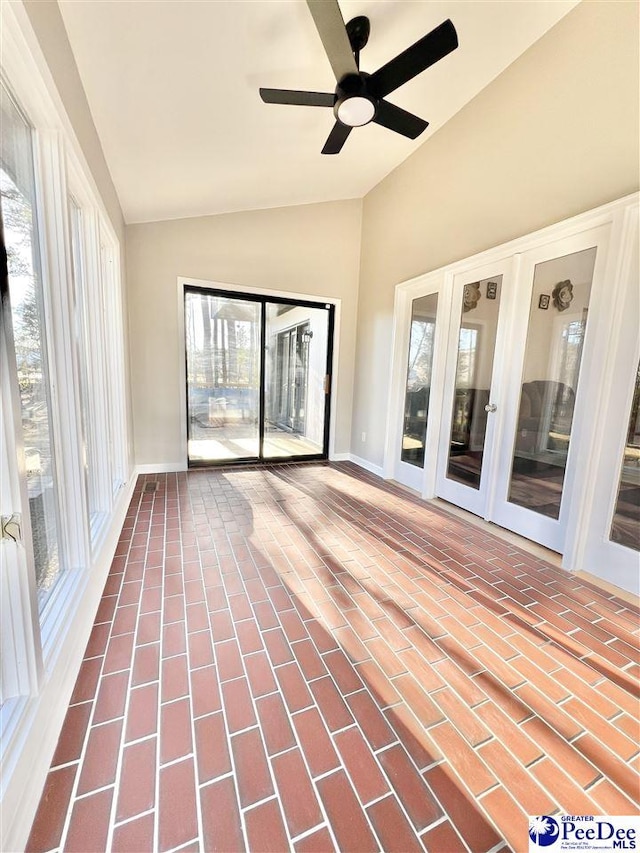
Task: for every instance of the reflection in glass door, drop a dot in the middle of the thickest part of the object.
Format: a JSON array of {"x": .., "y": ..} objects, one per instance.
[
  {"x": 555, "y": 337},
  {"x": 257, "y": 377},
  {"x": 418, "y": 388},
  {"x": 296, "y": 379},
  {"x": 625, "y": 525},
  {"x": 478, "y": 346},
  {"x": 474, "y": 367},
  {"x": 223, "y": 376}
]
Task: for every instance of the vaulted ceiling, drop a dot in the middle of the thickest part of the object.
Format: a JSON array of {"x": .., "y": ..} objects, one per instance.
[{"x": 173, "y": 89}]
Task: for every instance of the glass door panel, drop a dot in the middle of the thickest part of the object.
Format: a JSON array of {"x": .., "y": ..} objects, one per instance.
[
  {"x": 222, "y": 337},
  {"x": 17, "y": 192},
  {"x": 477, "y": 333},
  {"x": 625, "y": 526},
  {"x": 296, "y": 384},
  {"x": 557, "y": 323},
  {"x": 418, "y": 387}
]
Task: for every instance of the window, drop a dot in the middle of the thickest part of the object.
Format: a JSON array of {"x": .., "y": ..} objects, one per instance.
[
  {"x": 66, "y": 357},
  {"x": 17, "y": 190}
]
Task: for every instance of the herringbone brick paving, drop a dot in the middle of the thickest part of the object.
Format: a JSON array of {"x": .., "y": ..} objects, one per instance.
[{"x": 304, "y": 658}]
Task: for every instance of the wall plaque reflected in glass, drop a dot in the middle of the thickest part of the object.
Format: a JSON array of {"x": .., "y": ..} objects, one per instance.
[
  {"x": 297, "y": 337},
  {"x": 625, "y": 526},
  {"x": 223, "y": 377},
  {"x": 17, "y": 192},
  {"x": 474, "y": 366},
  {"x": 553, "y": 355},
  {"x": 419, "y": 368}
]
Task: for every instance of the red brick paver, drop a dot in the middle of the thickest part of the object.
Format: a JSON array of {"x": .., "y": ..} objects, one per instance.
[{"x": 303, "y": 657}]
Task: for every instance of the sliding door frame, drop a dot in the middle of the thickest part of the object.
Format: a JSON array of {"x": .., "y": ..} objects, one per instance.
[{"x": 262, "y": 298}]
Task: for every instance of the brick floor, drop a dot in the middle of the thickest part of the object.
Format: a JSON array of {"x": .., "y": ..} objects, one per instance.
[{"x": 304, "y": 658}]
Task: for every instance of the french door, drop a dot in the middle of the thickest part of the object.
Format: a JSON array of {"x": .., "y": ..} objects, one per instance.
[
  {"x": 513, "y": 395},
  {"x": 258, "y": 376},
  {"x": 477, "y": 352}
]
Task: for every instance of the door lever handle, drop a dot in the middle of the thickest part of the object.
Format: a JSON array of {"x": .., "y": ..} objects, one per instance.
[{"x": 490, "y": 407}]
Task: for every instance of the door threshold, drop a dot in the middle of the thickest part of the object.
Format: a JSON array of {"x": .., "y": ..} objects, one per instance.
[
  {"x": 218, "y": 465},
  {"x": 533, "y": 548},
  {"x": 609, "y": 588}
]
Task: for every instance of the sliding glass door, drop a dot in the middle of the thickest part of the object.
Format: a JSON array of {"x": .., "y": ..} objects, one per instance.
[{"x": 258, "y": 377}]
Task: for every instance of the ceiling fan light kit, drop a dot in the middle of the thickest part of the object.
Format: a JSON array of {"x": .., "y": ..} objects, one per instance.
[
  {"x": 354, "y": 106},
  {"x": 359, "y": 98}
]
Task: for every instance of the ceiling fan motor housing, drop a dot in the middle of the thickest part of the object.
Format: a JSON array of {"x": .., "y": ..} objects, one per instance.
[{"x": 354, "y": 105}]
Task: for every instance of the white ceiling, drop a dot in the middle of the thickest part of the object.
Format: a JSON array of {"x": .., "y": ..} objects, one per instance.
[{"x": 173, "y": 89}]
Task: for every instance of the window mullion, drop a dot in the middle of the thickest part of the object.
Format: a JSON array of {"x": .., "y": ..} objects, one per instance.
[
  {"x": 98, "y": 400},
  {"x": 57, "y": 275},
  {"x": 114, "y": 350}
]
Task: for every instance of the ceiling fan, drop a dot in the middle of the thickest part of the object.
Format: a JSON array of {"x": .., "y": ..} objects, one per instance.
[{"x": 359, "y": 98}]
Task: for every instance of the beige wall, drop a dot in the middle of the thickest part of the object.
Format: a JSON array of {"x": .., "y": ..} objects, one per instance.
[
  {"x": 554, "y": 135},
  {"x": 312, "y": 249}
]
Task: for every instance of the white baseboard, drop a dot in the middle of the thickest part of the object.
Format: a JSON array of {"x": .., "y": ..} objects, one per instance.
[
  {"x": 27, "y": 757},
  {"x": 161, "y": 468},
  {"x": 378, "y": 470},
  {"x": 173, "y": 467}
]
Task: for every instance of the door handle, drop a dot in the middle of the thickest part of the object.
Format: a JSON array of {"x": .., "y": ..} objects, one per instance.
[
  {"x": 490, "y": 407},
  {"x": 11, "y": 527}
]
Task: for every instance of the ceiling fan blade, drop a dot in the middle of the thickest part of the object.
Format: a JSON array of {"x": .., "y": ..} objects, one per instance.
[
  {"x": 336, "y": 138},
  {"x": 296, "y": 98},
  {"x": 425, "y": 52},
  {"x": 333, "y": 35},
  {"x": 388, "y": 115}
]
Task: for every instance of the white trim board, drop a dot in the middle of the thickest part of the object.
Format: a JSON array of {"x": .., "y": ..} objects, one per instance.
[
  {"x": 378, "y": 470},
  {"x": 162, "y": 468}
]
